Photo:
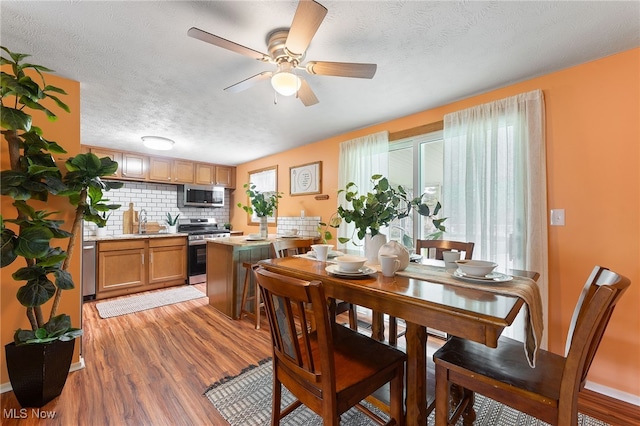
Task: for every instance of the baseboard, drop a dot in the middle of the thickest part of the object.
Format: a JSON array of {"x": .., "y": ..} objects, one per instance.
[
  {"x": 613, "y": 393},
  {"x": 6, "y": 387},
  {"x": 608, "y": 409}
]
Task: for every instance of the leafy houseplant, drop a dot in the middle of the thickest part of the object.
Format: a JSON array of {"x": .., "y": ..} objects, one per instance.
[
  {"x": 263, "y": 204},
  {"x": 34, "y": 175},
  {"x": 379, "y": 207}
]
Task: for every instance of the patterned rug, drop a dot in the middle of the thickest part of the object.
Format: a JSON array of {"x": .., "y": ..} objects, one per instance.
[
  {"x": 130, "y": 304},
  {"x": 246, "y": 400}
]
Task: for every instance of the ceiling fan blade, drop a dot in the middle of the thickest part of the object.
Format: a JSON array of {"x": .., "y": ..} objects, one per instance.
[
  {"x": 342, "y": 69},
  {"x": 306, "y": 21},
  {"x": 305, "y": 94},
  {"x": 226, "y": 44},
  {"x": 247, "y": 83}
]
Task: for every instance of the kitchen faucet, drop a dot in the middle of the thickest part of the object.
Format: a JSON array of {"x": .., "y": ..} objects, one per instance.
[{"x": 142, "y": 222}]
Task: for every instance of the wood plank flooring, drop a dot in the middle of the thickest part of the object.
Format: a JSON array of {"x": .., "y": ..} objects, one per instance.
[{"x": 151, "y": 368}]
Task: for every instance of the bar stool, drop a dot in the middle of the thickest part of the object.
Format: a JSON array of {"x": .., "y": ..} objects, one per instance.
[{"x": 250, "y": 267}]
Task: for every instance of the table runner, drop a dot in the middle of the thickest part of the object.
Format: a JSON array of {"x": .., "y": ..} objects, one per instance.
[{"x": 524, "y": 288}]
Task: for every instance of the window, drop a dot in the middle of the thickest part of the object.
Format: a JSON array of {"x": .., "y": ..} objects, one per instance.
[{"x": 416, "y": 162}]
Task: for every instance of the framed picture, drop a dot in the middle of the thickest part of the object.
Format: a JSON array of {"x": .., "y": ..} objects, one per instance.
[
  {"x": 306, "y": 179},
  {"x": 266, "y": 181}
]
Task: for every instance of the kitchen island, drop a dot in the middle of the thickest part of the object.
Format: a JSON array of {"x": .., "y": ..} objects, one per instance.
[{"x": 225, "y": 273}]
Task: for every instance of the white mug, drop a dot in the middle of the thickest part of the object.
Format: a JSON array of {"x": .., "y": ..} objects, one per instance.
[
  {"x": 450, "y": 258},
  {"x": 389, "y": 264},
  {"x": 321, "y": 251}
]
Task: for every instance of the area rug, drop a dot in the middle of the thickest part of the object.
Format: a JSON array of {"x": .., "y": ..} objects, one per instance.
[
  {"x": 246, "y": 400},
  {"x": 128, "y": 305}
]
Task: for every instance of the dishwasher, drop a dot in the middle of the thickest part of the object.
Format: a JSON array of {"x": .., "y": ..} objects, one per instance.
[{"x": 88, "y": 270}]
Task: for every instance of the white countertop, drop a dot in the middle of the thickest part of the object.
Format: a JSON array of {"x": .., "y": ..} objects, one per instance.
[{"x": 245, "y": 241}]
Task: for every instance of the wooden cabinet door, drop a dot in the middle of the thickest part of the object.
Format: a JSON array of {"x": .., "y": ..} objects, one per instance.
[
  {"x": 135, "y": 166},
  {"x": 205, "y": 174},
  {"x": 225, "y": 176},
  {"x": 161, "y": 169},
  {"x": 167, "y": 260},
  {"x": 122, "y": 267},
  {"x": 182, "y": 171},
  {"x": 114, "y": 155}
]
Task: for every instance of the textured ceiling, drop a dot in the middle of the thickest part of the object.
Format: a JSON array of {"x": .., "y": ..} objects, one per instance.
[{"x": 141, "y": 75}]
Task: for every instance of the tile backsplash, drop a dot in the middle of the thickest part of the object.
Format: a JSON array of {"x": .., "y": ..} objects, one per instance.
[
  {"x": 306, "y": 226},
  {"x": 158, "y": 200}
]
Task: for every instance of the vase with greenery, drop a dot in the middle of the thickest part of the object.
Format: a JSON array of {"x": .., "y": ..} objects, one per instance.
[
  {"x": 262, "y": 204},
  {"x": 377, "y": 209},
  {"x": 172, "y": 222},
  {"x": 32, "y": 178}
]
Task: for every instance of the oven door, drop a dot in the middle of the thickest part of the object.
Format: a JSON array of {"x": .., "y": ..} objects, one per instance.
[{"x": 197, "y": 262}]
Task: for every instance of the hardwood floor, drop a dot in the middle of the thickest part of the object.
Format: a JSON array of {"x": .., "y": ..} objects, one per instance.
[{"x": 151, "y": 368}]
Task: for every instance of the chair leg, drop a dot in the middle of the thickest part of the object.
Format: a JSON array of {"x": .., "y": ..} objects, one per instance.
[
  {"x": 276, "y": 400},
  {"x": 396, "y": 394},
  {"x": 442, "y": 397},
  {"x": 258, "y": 304},
  {"x": 244, "y": 293}
]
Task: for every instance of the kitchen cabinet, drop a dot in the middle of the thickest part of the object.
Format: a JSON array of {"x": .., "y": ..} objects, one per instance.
[
  {"x": 144, "y": 168},
  {"x": 121, "y": 267},
  {"x": 161, "y": 169},
  {"x": 133, "y": 265},
  {"x": 205, "y": 174},
  {"x": 114, "y": 155},
  {"x": 135, "y": 166},
  {"x": 183, "y": 171},
  {"x": 167, "y": 260},
  {"x": 225, "y": 176}
]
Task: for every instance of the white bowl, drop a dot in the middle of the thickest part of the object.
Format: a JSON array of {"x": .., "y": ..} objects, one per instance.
[
  {"x": 478, "y": 268},
  {"x": 350, "y": 263}
]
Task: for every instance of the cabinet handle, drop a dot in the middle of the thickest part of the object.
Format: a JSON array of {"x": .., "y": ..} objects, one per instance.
[
  {"x": 142, "y": 257},
  {"x": 151, "y": 258}
]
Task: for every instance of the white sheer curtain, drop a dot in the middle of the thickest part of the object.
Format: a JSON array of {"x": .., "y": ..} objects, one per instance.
[
  {"x": 494, "y": 191},
  {"x": 360, "y": 159}
]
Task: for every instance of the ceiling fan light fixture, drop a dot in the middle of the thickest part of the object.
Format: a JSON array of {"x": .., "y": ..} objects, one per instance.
[
  {"x": 158, "y": 143},
  {"x": 284, "y": 81}
]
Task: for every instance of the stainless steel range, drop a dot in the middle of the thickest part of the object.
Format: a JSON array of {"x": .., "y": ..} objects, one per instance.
[{"x": 199, "y": 230}]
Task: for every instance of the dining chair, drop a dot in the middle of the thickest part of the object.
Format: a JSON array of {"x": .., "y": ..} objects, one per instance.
[
  {"x": 291, "y": 247},
  {"x": 444, "y": 245},
  {"x": 330, "y": 369},
  {"x": 438, "y": 247},
  {"x": 549, "y": 391}
]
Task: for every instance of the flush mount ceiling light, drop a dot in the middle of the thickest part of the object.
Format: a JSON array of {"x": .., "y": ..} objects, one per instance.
[
  {"x": 284, "y": 81},
  {"x": 157, "y": 143}
]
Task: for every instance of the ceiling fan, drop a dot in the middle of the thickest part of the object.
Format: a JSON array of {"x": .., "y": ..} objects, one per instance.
[{"x": 287, "y": 48}]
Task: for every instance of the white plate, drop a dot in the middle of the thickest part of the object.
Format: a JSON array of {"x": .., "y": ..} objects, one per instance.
[
  {"x": 289, "y": 236},
  {"x": 489, "y": 278},
  {"x": 415, "y": 258},
  {"x": 255, "y": 239},
  {"x": 330, "y": 255},
  {"x": 335, "y": 270}
]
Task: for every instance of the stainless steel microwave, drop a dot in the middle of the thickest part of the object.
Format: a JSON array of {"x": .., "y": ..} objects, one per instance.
[{"x": 200, "y": 196}]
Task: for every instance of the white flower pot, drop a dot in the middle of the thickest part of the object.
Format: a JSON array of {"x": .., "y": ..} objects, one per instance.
[
  {"x": 172, "y": 229},
  {"x": 101, "y": 232},
  {"x": 372, "y": 246}
]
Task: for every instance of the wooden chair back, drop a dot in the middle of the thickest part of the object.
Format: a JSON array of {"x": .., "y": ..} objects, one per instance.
[
  {"x": 290, "y": 247},
  {"x": 305, "y": 359},
  {"x": 590, "y": 318},
  {"x": 443, "y": 245},
  {"x": 550, "y": 390}
]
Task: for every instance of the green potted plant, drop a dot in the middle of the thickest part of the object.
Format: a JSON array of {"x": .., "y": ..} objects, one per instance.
[
  {"x": 262, "y": 204},
  {"x": 379, "y": 208},
  {"x": 172, "y": 222},
  {"x": 38, "y": 359}
]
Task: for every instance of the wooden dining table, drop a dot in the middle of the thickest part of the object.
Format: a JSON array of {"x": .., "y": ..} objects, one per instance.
[{"x": 465, "y": 312}]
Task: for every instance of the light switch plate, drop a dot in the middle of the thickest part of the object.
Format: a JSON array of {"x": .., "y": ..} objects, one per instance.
[{"x": 557, "y": 217}]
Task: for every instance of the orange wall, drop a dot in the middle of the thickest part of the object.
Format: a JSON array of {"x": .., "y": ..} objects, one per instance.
[
  {"x": 66, "y": 132},
  {"x": 593, "y": 162}
]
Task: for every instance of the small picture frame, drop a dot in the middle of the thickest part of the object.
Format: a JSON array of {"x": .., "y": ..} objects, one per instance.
[{"x": 306, "y": 179}]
